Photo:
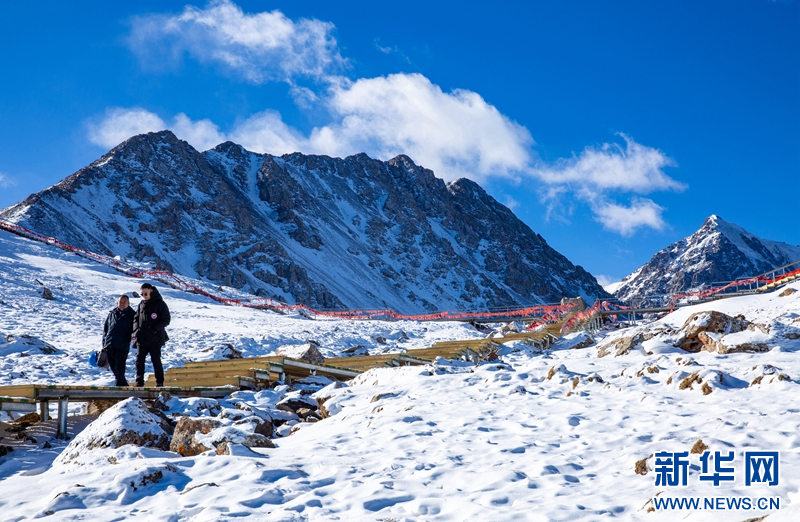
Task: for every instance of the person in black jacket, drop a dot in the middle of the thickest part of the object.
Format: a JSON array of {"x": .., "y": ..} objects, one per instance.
[
  {"x": 117, "y": 332},
  {"x": 149, "y": 334}
]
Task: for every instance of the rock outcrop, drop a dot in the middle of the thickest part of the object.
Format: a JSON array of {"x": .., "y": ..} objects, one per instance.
[
  {"x": 707, "y": 331},
  {"x": 127, "y": 422},
  {"x": 184, "y": 439}
]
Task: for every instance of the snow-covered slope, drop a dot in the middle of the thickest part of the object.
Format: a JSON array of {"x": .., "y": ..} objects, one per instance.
[
  {"x": 718, "y": 251},
  {"x": 537, "y": 436},
  {"x": 552, "y": 435},
  {"x": 325, "y": 232}
]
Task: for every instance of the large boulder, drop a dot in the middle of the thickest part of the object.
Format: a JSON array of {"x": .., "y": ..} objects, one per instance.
[
  {"x": 304, "y": 352},
  {"x": 194, "y": 436},
  {"x": 184, "y": 438},
  {"x": 127, "y": 422},
  {"x": 709, "y": 322}
]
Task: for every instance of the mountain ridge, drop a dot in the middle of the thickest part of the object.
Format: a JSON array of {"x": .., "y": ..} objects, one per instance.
[{"x": 326, "y": 232}]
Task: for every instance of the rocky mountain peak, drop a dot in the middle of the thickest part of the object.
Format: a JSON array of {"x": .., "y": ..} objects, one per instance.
[
  {"x": 718, "y": 251},
  {"x": 326, "y": 232}
]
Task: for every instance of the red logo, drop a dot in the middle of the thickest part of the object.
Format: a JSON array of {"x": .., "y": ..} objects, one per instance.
[{"x": 153, "y": 316}]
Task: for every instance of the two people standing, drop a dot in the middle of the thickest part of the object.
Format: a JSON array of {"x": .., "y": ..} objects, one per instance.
[{"x": 146, "y": 328}]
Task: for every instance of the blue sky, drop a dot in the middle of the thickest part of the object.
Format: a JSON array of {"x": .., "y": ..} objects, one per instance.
[{"x": 612, "y": 128}]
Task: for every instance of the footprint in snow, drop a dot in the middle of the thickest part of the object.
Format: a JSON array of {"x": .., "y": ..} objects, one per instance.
[{"x": 382, "y": 503}]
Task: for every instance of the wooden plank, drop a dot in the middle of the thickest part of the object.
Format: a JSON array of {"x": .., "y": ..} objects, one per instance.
[
  {"x": 404, "y": 360},
  {"x": 193, "y": 382},
  {"x": 88, "y": 393},
  {"x": 261, "y": 375},
  {"x": 293, "y": 367},
  {"x": 436, "y": 352},
  {"x": 200, "y": 373},
  {"x": 19, "y": 390},
  {"x": 360, "y": 360},
  {"x": 273, "y": 367},
  {"x": 277, "y": 359},
  {"x": 25, "y": 400},
  {"x": 228, "y": 367}
]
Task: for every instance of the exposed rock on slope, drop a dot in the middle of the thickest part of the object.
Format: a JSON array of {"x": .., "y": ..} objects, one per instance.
[
  {"x": 326, "y": 232},
  {"x": 127, "y": 422},
  {"x": 719, "y": 251}
]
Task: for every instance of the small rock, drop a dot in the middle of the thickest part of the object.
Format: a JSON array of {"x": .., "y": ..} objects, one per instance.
[
  {"x": 640, "y": 468},
  {"x": 264, "y": 427},
  {"x": 359, "y": 349},
  {"x": 47, "y": 294},
  {"x": 28, "y": 419},
  {"x": 296, "y": 403},
  {"x": 230, "y": 352},
  {"x": 225, "y": 447},
  {"x": 698, "y": 448},
  {"x": 307, "y": 413}
]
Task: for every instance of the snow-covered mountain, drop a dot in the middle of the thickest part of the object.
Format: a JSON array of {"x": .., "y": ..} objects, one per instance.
[
  {"x": 326, "y": 232},
  {"x": 719, "y": 251}
]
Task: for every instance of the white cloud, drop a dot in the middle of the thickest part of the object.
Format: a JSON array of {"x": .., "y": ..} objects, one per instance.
[
  {"x": 119, "y": 124},
  {"x": 634, "y": 168},
  {"x": 627, "y": 220},
  {"x": 599, "y": 175},
  {"x": 456, "y": 134},
  {"x": 266, "y": 132},
  {"x": 6, "y": 181},
  {"x": 202, "y": 135},
  {"x": 510, "y": 202},
  {"x": 260, "y": 47}
]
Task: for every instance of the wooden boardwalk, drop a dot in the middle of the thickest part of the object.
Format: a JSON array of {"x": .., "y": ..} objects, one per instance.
[{"x": 220, "y": 378}]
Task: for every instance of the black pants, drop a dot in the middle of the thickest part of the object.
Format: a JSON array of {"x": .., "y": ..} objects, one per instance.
[
  {"x": 155, "y": 358},
  {"x": 116, "y": 363}
]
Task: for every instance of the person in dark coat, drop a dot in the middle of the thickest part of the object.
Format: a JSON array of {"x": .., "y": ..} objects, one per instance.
[
  {"x": 149, "y": 332},
  {"x": 117, "y": 332}
]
